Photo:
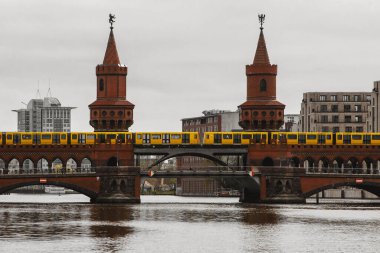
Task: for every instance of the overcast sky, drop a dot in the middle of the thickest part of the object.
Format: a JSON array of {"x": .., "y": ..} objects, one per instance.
[{"x": 183, "y": 57}]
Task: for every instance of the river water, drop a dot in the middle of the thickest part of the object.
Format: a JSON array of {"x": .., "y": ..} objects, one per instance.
[{"x": 170, "y": 224}]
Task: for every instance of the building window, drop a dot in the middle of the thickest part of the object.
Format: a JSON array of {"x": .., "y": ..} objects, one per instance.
[
  {"x": 346, "y": 98},
  {"x": 101, "y": 84},
  {"x": 263, "y": 85},
  {"x": 324, "y": 118},
  {"x": 347, "y": 119},
  {"x": 323, "y": 108},
  {"x": 357, "y": 98},
  {"x": 368, "y": 97},
  {"x": 358, "y": 108},
  {"x": 358, "y": 119},
  {"x": 359, "y": 129},
  {"x": 334, "y": 98},
  {"x": 325, "y": 129},
  {"x": 335, "y": 118},
  {"x": 334, "y": 108},
  {"x": 335, "y": 129},
  {"x": 347, "y": 108},
  {"x": 322, "y": 98},
  {"x": 348, "y": 129}
]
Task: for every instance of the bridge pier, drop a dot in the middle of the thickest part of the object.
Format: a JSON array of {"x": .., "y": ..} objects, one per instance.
[{"x": 118, "y": 185}]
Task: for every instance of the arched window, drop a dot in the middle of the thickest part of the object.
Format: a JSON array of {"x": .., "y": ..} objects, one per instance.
[
  {"x": 263, "y": 85},
  {"x": 101, "y": 85}
]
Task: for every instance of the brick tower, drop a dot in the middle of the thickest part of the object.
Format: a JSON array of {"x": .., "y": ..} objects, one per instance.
[
  {"x": 261, "y": 111},
  {"x": 111, "y": 111}
]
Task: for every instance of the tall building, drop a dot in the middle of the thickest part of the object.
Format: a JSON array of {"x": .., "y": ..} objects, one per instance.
[
  {"x": 261, "y": 111},
  {"x": 291, "y": 123},
  {"x": 335, "y": 111},
  {"x": 212, "y": 121},
  {"x": 111, "y": 111},
  {"x": 373, "y": 120},
  {"x": 44, "y": 115}
]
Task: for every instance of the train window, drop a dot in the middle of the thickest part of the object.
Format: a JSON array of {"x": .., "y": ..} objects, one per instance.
[
  {"x": 26, "y": 136},
  {"x": 292, "y": 136},
  {"x": 328, "y": 137},
  {"x": 312, "y": 136},
  {"x": 257, "y": 137},
  {"x": 74, "y": 136},
  {"x": 90, "y": 136},
  {"x": 139, "y": 136},
  {"x": 339, "y": 137},
  {"x": 246, "y": 136},
  {"x": 56, "y": 139},
  {"x": 356, "y": 137},
  {"x": 302, "y": 139},
  {"x": 207, "y": 136},
  {"x": 195, "y": 136},
  {"x": 237, "y": 138},
  {"x": 375, "y": 137},
  {"x": 111, "y": 136},
  {"x": 176, "y": 136},
  {"x": 63, "y": 136},
  {"x": 46, "y": 136},
  {"x": 9, "y": 137},
  {"x": 347, "y": 139},
  {"x": 227, "y": 136},
  {"x": 156, "y": 136}
]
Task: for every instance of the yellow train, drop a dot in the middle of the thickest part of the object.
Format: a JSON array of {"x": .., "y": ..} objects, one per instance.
[{"x": 189, "y": 138}]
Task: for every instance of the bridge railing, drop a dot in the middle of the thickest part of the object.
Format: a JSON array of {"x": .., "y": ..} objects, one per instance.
[
  {"x": 343, "y": 170},
  {"x": 47, "y": 171}
]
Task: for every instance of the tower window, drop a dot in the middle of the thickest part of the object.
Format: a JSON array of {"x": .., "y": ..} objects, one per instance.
[
  {"x": 101, "y": 85},
  {"x": 263, "y": 85}
]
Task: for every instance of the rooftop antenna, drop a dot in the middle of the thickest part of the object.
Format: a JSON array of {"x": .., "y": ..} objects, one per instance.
[
  {"x": 38, "y": 95},
  {"x": 49, "y": 90}
]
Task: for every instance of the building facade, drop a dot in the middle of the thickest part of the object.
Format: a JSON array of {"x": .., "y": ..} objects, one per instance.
[
  {"x": 335, "y": 111},
  {"x": 44, "y": 115},
  {"x": 291, "y": 123},
  {"x": 212, "y": 121},
  {"x": 373, "y": 119}
]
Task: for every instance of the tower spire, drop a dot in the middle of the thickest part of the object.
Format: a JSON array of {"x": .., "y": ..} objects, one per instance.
[
  {"x": 261, "y": 56},
  {"x": 111, "y": 56}
]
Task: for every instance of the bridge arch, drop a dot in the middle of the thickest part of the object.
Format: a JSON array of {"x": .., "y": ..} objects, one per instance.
[
  {"x": 27, "y": 166},
  {"x": 86, "y": 164},
  {"x": 294, "y": 162},
  {"x": 371, "y": 187},
  {"x": 2, "y": 166},
  {"x": 14, "y": 166},
  {"x": 77, "y": 188}
]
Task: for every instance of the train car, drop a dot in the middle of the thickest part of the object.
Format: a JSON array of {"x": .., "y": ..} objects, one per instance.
[
  {"x": 231, "y": 138},
  {"x": 296, "y": 138},
  {"x": 165, "y": 138},
  {"x": 357, "y": 138},
  {"x": 110, "y": 137}
]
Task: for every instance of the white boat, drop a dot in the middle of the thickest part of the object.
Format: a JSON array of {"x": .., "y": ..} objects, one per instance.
[{"x": 54, "y": 190}]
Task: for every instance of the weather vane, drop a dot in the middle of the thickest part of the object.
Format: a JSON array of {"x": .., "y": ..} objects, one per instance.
[
  {"x": 261, "y": 20},
  {"x": 111, "y": 20}
]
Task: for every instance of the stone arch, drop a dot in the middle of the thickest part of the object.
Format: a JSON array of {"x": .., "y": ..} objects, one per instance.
[
  {"x": 113, "y": 186},
  {"x": 85, "y": 165},
  {"x": 57, "y": 166},
  {"x": 123, "y": 186},
  {"x": 367, "y": 186},
  {"x": 42, "y": 165},
  {"x": 28, "y": 166},
  {"x": 308, "y": 163},
  {"x": 112, "y": 161},
  {"x": 71, "y": 165},
  {"x": 288, "y": 186},
  {"x": 353, "y": 165},
  {"x": 294, "y": 162},
  {"x": 268, "y": 161},
  {"x": 14, "y": 166},
  {"x": 367, "y": 165},
  {"x": 278, "y": 187},
  {"x": 2, "y": 166}
]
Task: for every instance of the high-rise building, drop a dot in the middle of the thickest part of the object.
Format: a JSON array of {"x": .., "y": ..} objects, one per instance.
[
  {"x": 373, "y": 119},
  {"x": 44, "y": 115}
]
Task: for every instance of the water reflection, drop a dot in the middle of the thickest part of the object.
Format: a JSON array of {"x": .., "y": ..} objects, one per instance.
[{"x": 260, "y": 215}]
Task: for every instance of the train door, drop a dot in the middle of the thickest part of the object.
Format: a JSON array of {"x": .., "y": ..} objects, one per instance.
[
  {"x": 56, "y": 139},
  {"x": 3, "y": 138},
  {"x": 185, "y": 138},
  {"x": 146, "y": 138},
  {"x": 347, "y": 139},
  {"x": 237, "y": 138},
  {"x": 301, "y": 138},
  {"x": 101, "y": 138},
  {"x": 81, "y": 138},
  {"x": 321, "y": 139},
  {"x": 37, "y": 139},
  {"x": 16, "y": 138},
  {"x": 366, "y": 139},
  {"x": 217, "y": 138},
  {"x": 165, "y": 138}
]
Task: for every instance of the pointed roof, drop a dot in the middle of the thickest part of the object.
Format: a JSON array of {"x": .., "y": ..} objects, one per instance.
[
  {"x": 111, "y": 56},
  {"x": 261, "y": 56}
]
